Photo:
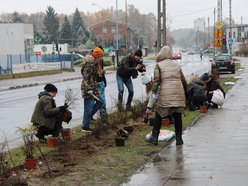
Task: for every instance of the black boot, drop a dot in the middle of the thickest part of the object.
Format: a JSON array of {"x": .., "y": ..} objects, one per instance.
[
  {"x": 179, "y": 140},
  {"x": 153, "y": 139}
]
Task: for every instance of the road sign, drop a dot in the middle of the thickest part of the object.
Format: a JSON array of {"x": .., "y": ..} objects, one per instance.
[
  {"x": 218, "y": 42},
  {"x": 37, "y": 53},
  {"x": 218, "y": 24},
  {"x": 230, "y": 41},
  {"x": 43, "y": 48},
  {"x": 218, "y": 33}
]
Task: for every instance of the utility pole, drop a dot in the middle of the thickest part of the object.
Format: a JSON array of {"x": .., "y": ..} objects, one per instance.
[
  {"x": 242, "y": 30},
  {"x": 213, "y": 32},
  {"x": 117, "y": 34},
  {"x": 161, "y": 31},
  {"x": 230, "y": 25},
  {"x": 219, "y": 10},
  {"x": 209, "y": 39},
  {"x": 126, "y": 28}
]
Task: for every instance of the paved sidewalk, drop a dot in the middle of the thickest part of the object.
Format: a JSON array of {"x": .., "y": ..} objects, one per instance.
[{"x": 215, "y": 150}]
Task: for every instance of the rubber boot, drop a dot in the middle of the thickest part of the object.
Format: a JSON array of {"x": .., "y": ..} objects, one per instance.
[
  {"x": 179, "y": 140},
  {"x": 153, "y": 139}
]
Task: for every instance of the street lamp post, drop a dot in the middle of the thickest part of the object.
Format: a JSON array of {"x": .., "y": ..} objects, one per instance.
[
  {"x": 117, "y": 34},
  {"x": 101, "y": 20}
]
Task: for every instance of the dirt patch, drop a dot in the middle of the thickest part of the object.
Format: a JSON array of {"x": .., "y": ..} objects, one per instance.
[{"x": 73, "y": 161}]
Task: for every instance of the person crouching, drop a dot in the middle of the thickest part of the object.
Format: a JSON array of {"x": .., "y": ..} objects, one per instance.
[{"x": 46, "y": 116}]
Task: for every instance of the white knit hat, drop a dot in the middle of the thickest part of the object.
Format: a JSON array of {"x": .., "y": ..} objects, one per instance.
[{"x": 145, "y": 79}]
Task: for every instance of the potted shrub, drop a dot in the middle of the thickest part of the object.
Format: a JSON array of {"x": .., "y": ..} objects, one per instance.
[{"x": 28, "y": 136}]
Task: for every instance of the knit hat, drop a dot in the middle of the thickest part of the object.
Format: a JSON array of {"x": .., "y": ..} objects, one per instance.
[
  {"x": 205, "y": 77},
  {"x": 97, "y": 52},
  {"x": 145, "y": 79},
  {"x": 50, "y": 88},
  {"x": 138, "y": 53}
]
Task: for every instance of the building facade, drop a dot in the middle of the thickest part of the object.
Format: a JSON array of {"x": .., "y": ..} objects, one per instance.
[
  {"x": 199, "y": 25},
  {"x": 239, "y": 35},
  {"x": 106, "y": 32},
  {"x": 17, "y": 40}
]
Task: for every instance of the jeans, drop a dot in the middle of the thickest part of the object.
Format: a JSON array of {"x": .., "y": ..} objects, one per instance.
[
  {"x": 103, "y": 109},
  {"x": 129, "y": 84},
  {"x": 89, "y": 105}
]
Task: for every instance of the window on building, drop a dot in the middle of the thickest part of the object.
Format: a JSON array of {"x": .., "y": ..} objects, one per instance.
[
  {"x": 234, "y": 35},
  {"x": 113, "y": 29}
]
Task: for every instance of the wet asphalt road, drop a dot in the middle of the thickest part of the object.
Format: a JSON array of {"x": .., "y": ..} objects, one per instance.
[
  {"x": 16, "y": 105},
  {"x": 215, "y": 148}
]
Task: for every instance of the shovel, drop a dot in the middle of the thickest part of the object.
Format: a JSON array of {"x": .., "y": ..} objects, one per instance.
[{"x": 96, "y": 98}]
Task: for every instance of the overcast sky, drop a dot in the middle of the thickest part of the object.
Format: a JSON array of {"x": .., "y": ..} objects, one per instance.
[{"x": 182, "y": 13}]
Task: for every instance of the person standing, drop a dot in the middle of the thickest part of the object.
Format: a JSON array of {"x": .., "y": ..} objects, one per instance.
[
  {"x": 101, "y": 85},
  {"x": 128, "y": 67},
  {"x": 46, "y": 116},
  {"x": 169, "y": 92},
  {"x": 201, "y": 54},
  {"x": 89, "y": 90}
]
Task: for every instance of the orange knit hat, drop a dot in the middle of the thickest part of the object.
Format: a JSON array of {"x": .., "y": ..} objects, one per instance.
[{"x": 97, "y": 52}]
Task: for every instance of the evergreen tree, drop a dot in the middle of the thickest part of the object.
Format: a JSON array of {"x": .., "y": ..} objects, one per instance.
[
  {"x": 79, "y": 33},
  {"x": 65, "y": 33},
  {"x": 51, "y": 24},
  {"x": 16, "y": 18}
]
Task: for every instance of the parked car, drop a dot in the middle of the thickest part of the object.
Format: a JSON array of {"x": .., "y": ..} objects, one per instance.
[
  {"x": 176, "y": 55},
  {"x": 191, "y": 52},
  {"x": 223, "y": 62}
]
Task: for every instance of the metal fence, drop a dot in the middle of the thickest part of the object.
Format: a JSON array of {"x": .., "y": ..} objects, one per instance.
[{"x": 7, "y": 61}]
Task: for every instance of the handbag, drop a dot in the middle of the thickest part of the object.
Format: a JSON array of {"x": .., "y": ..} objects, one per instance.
[{"x": 218, "y": 97}]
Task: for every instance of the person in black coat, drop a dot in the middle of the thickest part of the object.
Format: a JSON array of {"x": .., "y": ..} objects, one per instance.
[
  {"x": 128, "y": 68},
  {"x": 211, "y": 84},
  {"x": 196, "y": 94}
]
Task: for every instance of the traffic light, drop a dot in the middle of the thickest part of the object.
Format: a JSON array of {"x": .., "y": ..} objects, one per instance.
[
  {"x": 224, "y": 40},
  {"x": 56, "y": 47}
]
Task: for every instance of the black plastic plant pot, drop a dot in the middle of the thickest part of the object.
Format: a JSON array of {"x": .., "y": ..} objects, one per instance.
[
  {"x": 129, "y": 129},
  {"x": 119, "y": 141}
]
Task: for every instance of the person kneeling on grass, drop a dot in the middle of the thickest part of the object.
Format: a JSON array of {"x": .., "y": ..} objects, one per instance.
[{"x": 46, "y": 116}]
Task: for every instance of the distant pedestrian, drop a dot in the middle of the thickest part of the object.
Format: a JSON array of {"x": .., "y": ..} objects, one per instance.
[
  {"x": 101, "y": 85},
  {"x": 201, "y": 54},
  {"x": 89, "y": 90},
  {"x": 46, "y": 116},
  {"x": 211, "y": 84},
  {"x": 168, "y": 91},
  {"x": 127, "y": 69}
]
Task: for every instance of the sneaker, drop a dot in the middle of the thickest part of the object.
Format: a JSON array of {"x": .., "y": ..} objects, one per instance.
[
  {"x": 92, "y": 119},
  {"x": 86, "y": 129}
]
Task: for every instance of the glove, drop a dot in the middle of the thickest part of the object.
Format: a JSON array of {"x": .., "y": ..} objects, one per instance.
[
  {"x": 62, "y": 109},
  {"x": 148, "y": 111},
  {"x": 152, "y": 100},
  {"x": 66, "y": 105},
  {"x": 90, "y": 92}
]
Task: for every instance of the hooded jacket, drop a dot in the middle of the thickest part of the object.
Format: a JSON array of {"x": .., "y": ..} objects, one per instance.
[
  {"x": 89, "y": 73},
  {"x": 169, "y": 82},
  {"x": 45, "y": 111}
]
